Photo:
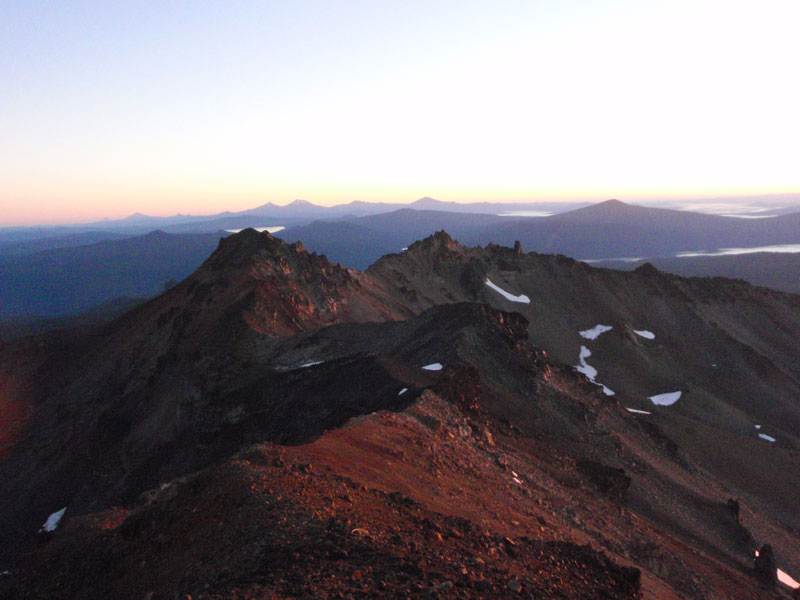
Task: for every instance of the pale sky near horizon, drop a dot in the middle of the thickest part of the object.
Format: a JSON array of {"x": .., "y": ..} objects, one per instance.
[{"x": 164, "y": 107}]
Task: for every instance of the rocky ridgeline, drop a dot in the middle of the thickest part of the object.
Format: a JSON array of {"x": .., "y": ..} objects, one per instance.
[{"x": 488, "y": 468}]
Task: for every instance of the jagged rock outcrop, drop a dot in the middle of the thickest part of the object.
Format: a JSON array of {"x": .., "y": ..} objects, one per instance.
[{"x": 764, "y": 565}]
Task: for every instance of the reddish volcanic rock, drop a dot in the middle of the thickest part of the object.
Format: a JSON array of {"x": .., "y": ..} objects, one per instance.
[
  {"x": 498, "y": 473},
  {"x": 281, "y": 289}
]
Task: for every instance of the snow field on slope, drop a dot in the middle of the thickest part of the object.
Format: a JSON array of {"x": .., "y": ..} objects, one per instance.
[
  {"x": 787, "y": 579},
  {"x": 667, "y": 399},
  {"x": 523, "y": 299},
  {"x": 589, "y": 370},
  {"x": 52, "y": 521},
  {"x": 595, "y": 332}
]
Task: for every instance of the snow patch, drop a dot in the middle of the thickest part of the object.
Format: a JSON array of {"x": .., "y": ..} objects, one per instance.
[
  {"x": 589, "y": 370},
  {"x": 757, "y": 426},
  {"x": 274, "y": 229},
  {"x": 594, "y": 332},
  {"x": 52, "y": 520},
  {"x": 433, "y": 367},
  {"x": 584, "y": 367},
  {"x": 667, "y": 399},
  {"x": 403, "y": 391},
  {"x": 606, "y": 390},
  {"x": 787, "y": 579},
  {"x": 648, "y": 335},
  {"x": 637, "y": 411},
  {"x": 311, "y": 364},
  {"x": 507, "y": 295},
  {"x": 769, "y": 438}
]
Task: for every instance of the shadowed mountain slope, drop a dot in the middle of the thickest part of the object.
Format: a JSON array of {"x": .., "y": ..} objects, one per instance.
[
  {"x": 243, "y": 399},
  {"x": 118, "y": 397},
  {"x": 728, "y": 347}
]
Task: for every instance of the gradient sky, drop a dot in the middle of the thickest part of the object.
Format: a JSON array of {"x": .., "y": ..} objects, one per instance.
[{"x": 108, "y": 108}]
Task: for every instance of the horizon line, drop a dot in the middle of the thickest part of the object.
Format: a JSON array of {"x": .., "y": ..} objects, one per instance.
[{"x": 789, "y": 196}]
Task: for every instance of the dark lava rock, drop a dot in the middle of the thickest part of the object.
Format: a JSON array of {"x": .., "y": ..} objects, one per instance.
[
  {"x": 609, "y": 480},
  {"x": 764, "y": 565},
  {"x": 733, "y": 506},
  {"x": 646, "y": 269}
]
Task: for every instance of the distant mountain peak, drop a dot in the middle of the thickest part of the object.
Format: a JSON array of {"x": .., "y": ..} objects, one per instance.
[
  {"x": 299, "y": 202},
  {"x": 427, "y": 200},
  {"x": 609, "y": 205},
  {"x": 608, "y": 209},
  {"x": 137, "y": 216}
]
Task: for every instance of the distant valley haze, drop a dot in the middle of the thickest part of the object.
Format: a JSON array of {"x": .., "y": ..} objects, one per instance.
[{"x": 62, "y": 271}]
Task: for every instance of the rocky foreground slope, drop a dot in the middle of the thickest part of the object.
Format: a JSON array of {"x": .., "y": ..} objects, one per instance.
[{"x": 278, "y": 426}]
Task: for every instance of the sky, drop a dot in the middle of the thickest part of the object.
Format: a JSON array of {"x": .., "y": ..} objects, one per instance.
[{"x": 110, "y": 108}]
